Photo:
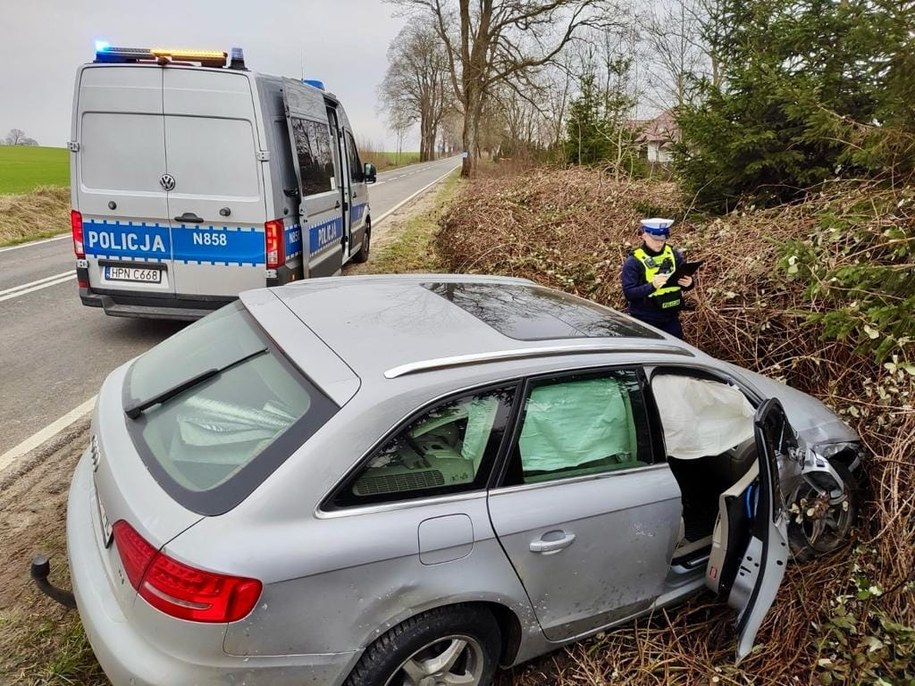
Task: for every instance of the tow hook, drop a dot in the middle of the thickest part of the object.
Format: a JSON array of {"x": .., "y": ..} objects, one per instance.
[{"x": 39, "y": 570}]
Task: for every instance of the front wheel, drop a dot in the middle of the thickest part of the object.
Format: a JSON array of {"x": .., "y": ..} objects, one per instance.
[
  {"x": 454, "y": 645},
  {"x": 363, "y": 254},
  {"x": 822, "y": 514}
]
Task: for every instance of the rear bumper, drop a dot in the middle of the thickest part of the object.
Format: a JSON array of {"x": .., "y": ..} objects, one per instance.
[
  {"x": 129, "y": 658},
  {"x": 132, "y": 304}
]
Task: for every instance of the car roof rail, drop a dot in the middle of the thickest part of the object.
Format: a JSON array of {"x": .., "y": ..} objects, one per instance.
[{"x": 526, "y": 353}]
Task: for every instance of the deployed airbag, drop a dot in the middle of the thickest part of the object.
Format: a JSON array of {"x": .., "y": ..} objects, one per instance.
[{"x": 701, "y": 417}]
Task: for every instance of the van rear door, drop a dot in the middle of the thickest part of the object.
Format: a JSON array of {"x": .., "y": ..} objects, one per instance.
[
  {"x": 217, "y": 209},
  {"x": 118, "y": 180}
]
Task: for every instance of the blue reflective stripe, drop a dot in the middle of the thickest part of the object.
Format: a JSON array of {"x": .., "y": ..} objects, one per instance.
[
  {"x": 359, "y": 211},
  {"x": 322, "y": 236},
  {"x": 200, "y": 244},
  {"x": 219, "y": 246},
  {"x": 293, "y": 240},
  {"x": 141, "y": 240}
]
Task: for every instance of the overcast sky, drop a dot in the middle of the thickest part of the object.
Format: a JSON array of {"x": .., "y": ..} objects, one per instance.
[{"x": 342, "y": 42}]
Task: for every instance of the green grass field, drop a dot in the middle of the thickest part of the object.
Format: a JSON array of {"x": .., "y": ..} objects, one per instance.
[
  {"x": 23, "y": 169},
  {"x": 388, "y": 160}
]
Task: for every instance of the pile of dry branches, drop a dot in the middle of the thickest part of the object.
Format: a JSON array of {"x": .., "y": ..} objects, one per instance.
[{"x": 846, "y": 619}]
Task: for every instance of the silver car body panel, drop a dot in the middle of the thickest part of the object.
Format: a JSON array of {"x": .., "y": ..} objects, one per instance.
[
  {"x": 335, "y": 578},
  {"x": 556, "y": 536}
]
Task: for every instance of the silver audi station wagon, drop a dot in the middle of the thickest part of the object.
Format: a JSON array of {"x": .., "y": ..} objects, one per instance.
[{"x": 417, "y": 479}]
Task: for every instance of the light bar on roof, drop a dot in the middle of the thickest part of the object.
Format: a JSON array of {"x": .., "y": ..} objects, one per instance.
[{"x": 209, "y": 58}]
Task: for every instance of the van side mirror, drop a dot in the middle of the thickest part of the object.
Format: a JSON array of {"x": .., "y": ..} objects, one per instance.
[{"x": 369, "y": 173}]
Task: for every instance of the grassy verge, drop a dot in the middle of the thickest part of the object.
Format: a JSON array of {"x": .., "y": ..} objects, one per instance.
[
  {"x": 408, "y": 244},
  {"x": 23, "y": 168},
  {"x": 43, "y": 212}
]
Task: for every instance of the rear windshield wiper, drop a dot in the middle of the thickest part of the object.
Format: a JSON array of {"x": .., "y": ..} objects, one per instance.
[{"x": 135, "y": 409}]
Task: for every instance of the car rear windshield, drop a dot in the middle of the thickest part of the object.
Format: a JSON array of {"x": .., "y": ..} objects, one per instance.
[{"x": 216, "y": 408}]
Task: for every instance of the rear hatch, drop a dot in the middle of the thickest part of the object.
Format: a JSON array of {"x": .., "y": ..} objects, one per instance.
[
  {"x": 212, "y": 146},
  {"x": 189, "y": 430},
  {"x": 121, "y": 133},
  {"x": 169, "y": 180}
]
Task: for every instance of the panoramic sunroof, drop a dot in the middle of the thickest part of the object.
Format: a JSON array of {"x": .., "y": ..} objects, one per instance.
[{"x": 531, "y": 313}]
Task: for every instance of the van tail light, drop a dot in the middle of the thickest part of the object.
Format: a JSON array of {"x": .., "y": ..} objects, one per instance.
[
  {"x": 181, "y": 591},
  {"x": 273, "y": 236},
  {"x": 76, "y": 227}
]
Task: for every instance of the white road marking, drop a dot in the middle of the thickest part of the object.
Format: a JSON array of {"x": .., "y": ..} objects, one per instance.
[
  {"x": 33, "y": 286},
  {"x": 396, "y": 207},
  {"x": 47, "y": 433},
  {"x": 31, "y": 243}
]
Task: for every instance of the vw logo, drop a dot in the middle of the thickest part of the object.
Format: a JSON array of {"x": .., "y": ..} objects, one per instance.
[{"x": 167, "y": 181}]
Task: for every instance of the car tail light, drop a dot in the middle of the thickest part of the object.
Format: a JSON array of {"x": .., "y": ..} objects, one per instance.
[
  {"x": 179, "y": 590},
  {"x": 76, "y": 226},
  {"x": 273, "y": 236}
]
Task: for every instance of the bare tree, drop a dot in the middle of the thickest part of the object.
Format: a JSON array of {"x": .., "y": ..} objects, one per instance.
[
  {"x": 677, "y": 52},
  {"x": 18, "y": 137},
  {"x": 415, "y": 87},
  {"x": 490, "y": 42}
]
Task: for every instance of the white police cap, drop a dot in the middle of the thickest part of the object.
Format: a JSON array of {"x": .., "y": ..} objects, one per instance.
[{"x": 656, "y": 224}]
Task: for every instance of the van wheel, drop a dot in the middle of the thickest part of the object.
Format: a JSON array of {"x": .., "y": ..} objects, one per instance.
[
  {"x": 820, "y": 523},
  {"x": 363, "y": 254},
  {"x": 453, "y": 645}
]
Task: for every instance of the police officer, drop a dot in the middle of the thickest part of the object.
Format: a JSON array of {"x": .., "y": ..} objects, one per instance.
[{"x": 645, "y": 273}]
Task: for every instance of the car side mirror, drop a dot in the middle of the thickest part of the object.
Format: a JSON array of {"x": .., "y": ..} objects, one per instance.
[{"x": 369, "y": 173}]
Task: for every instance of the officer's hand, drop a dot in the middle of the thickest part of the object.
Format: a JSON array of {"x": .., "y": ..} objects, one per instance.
[
  {"x": 685, "y": 281},
  {"x": 659, "y": 280}
]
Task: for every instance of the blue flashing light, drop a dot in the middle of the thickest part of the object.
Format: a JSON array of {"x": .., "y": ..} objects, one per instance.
[
  {"x": 314, "y": 83},
  {"x": 101, "y": 46}
]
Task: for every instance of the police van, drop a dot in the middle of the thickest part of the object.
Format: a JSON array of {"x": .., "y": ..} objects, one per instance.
[{"x": 193, "y": 179}]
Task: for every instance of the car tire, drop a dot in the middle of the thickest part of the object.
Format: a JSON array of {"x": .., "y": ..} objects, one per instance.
[
  {"x": 459, "y": 641},
  {"x": 363, "y": 254},
  {"x": 818, "y": 527}
]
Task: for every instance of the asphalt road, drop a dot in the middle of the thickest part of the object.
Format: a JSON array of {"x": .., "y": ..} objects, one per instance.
[{"x": 54, "y": 353}]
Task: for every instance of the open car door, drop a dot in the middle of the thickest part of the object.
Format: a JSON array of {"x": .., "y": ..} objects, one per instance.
[{"x": 750, "y": 542}]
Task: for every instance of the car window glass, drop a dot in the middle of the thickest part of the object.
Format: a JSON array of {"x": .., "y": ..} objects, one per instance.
[
  {"x": 211, "y": 444},
  {"x": 316, "y": 160},
  {"x": 355, "y": 165},
  {"x": 443, "y": 451},
  {"x": 578, "y": 426}
]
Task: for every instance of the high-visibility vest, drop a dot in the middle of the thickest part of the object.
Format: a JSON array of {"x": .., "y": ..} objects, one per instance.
[{"x": 668, "y": 297}]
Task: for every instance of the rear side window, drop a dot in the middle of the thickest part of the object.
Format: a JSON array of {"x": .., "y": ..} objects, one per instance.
[
  {"x": 446, "y": 449},
  {"x": 239, "y": 411},
  {"x": 316, "y": 160}
]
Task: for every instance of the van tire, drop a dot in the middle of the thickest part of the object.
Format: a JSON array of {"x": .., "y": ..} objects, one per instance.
[{"x": 363, "y": 254}]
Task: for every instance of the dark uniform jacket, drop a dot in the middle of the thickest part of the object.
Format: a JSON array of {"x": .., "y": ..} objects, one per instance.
[{"x": 638, "y": 289}]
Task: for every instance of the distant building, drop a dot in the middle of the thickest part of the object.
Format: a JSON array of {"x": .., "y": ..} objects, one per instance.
[{"x": 657, "y": 136}]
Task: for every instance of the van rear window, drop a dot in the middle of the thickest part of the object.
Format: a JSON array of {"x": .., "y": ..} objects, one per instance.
[{"x": 217, "y": 408}]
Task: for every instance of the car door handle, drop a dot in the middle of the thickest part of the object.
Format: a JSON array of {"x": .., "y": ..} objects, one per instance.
[
  {"x": 337, "y": 206},
  {"x": 552, "y": 542},
  {"x": 189, "y": 218}
]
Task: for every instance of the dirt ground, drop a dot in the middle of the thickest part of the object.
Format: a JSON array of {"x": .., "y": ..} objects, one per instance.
[{"x": 40, "y": 641}]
